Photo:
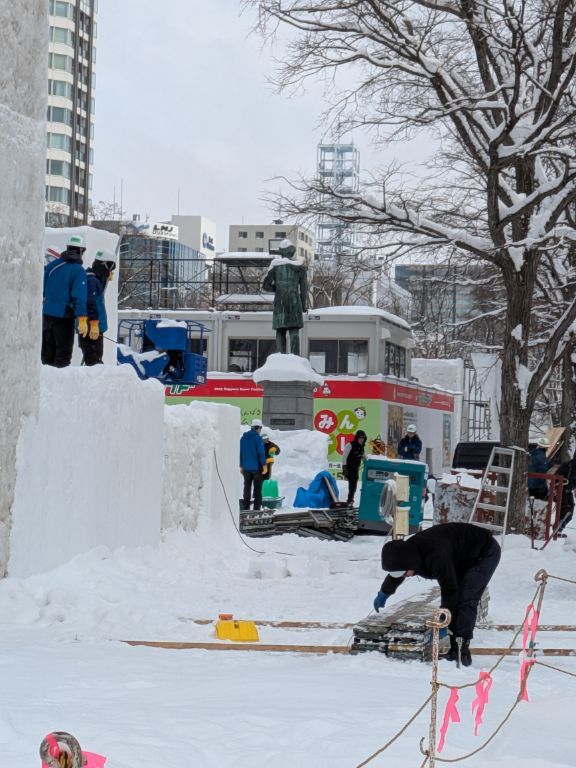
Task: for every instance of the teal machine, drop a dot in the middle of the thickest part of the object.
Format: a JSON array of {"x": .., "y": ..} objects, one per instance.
[{"x": 379, "y": 469}]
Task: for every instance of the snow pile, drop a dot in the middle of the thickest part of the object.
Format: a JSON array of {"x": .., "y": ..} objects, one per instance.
[
  {"x": 303, "y": 454},
  {"x": 279, "y": 367},
  {"x": 23, "y": 94},
  {"x": 201, "y": 476},
  {"x": 89, "y": 467}
]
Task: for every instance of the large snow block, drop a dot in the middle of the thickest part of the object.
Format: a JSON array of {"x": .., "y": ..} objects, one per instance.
[
  {"x": 23, "y": 96},
  {"x": 89, "y": 467},
  {"x": 201, "y": 464}
]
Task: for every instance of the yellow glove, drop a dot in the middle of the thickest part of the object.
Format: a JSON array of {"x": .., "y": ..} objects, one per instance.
[
  {"x": 265, "y": 469},
  {"x": 83, "y": 326},
  {"x": 94, "y": 330}
]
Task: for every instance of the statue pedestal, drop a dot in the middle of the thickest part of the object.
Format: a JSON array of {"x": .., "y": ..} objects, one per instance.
[{"x": 288, "y": 404}]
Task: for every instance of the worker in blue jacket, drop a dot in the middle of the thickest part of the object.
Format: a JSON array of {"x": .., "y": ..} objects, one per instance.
[
  {"x": 98, "y": 275},
  {"x": 410, "y": 447},
  {"x": 252, "y": 464},
  {"x": 64, "y": 304}
]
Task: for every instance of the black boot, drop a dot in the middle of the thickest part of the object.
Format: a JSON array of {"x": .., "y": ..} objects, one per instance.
[
  {"x": 463, "y": 652},
  {"x": 452, "y": 654},
  {"x": 465, "y": 655}
]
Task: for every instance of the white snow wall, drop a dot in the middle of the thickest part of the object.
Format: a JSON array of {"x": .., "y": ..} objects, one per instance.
[
  {"x": 201, "y": 464},
  {"x": 89, "y": 467},
  {"x": 23, "y": 98}
]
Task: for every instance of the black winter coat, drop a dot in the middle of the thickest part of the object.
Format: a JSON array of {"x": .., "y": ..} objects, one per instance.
[{"x": 443, "y": 552}]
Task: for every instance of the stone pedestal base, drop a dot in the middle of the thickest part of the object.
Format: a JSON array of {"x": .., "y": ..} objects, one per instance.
[{"x": 288, "y": 404}]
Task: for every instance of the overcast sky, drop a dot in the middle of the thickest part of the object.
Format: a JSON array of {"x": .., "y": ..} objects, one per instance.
[{"x": 182, "y": 102}]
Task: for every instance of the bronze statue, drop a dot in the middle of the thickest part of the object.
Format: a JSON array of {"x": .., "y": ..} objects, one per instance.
[{"x": 287, "y": 279}]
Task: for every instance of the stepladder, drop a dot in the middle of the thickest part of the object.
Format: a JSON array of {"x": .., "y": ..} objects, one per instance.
[{"x": 493, "y": 500}]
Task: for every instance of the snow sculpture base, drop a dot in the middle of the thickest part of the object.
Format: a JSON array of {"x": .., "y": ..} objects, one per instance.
[
  {"x": 288, "y": 404},
  {"x": 289, "y": 382}
]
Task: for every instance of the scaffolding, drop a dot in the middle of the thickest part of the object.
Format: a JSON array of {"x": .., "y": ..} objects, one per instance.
[{"x": 338, "y": 171}]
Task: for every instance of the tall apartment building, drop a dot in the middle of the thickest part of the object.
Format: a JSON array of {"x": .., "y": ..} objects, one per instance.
[
  {"x": 265, "y": 238},
  {"x": 71, "y": 82}
]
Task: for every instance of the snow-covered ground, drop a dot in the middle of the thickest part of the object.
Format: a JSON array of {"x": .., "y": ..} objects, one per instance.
[{"x": 63, "y": 665}]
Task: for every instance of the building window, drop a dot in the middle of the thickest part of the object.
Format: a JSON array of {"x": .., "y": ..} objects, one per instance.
[
  {"x": 58, "y": 195},
  {"x": 339, "y": 356},
  {"x": 59, "y": 141},
  {"x": 243, "y": 235},
  {"x": 61, "y": 35},
  {"x": 395, "y": 360},
  {"x": 60, "y": 61},
  {"x": 242, "y": 250},
  {"x": 58, "y": 168},
  {"x": 60, "y": 115},
  {"x": 259, "y": 235},
  {"x": 259, "y": 250},
  {"x": 280, "y": 235},
  {"x": 62, "y": 9},
  {"x": 60, "y": 88},
  {"x": 245, "y": 355}
]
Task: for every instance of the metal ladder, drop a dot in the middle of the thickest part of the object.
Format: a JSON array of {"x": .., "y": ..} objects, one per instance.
[{"x": 494, "y": 494}]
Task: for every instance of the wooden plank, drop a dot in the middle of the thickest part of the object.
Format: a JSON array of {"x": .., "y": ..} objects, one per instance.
[
  {"x": 319, "y": 649},
  {"x": 348, "y": 625}
]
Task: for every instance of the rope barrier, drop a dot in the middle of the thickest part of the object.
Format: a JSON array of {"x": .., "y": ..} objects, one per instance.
[
  {"x": 557, "y": 669},
  {"x": 503, "y": 656},
  {"x": 430, "y": 755},
  {"x": 397, "y": 736},
  {"x": 561, "y": 578}
]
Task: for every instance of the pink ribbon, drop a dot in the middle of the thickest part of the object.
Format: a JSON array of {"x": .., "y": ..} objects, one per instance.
[
  {"x": 93, "y": 760},
  {"x": 482, "y": 690},
  {"x": 530, "y": 626},
  {"x": 450, "y": 716},
  {"x": 530, "y": 629}
]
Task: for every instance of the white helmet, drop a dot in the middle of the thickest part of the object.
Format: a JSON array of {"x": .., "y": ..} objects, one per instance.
[
  {"x": 265, "y": 435},
  {"x": 108, "y": 258},
  {"x": 256, "y": 423},
  {"x": 76, "y": 241},
  {"x": 543, "y": 442},
  {"x": 411, "y": 428}
]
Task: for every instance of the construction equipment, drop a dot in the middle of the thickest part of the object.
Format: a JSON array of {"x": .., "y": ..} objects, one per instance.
[
  {"x": 379, "y": 470},
  {"x": 380, "y": 510},
  {"x": 493, "y": 500},
  {"x": 339, "y": 523},
  {"x": 164, "y": 349}
]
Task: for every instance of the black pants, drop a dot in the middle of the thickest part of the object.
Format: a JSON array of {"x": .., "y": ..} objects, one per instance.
[
  {"x": 57, "y": 340},
  {"x": 472, "y": 586},
  {"x": 352, "y": 476},
  {"x": 256, "y": 478},
  {"x": 92, "y": 350}
]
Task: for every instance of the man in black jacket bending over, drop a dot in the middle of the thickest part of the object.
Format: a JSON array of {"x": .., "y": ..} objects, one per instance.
[{"x": 461, "y": 557}]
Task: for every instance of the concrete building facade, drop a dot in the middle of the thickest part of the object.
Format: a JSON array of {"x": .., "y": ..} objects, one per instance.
[
  {"x": 265, "y": 238},
  {"x": 70, "y": 130}
]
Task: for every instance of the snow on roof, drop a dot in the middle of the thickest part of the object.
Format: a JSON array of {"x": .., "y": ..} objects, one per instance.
[
  {"x": 246, "y": 298},
  {"x": 244, "y": 255},
  {"x": 167, "y": 323},
  {"x": 280, "y": 367},
  {"x": 361, "y": 311}
]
